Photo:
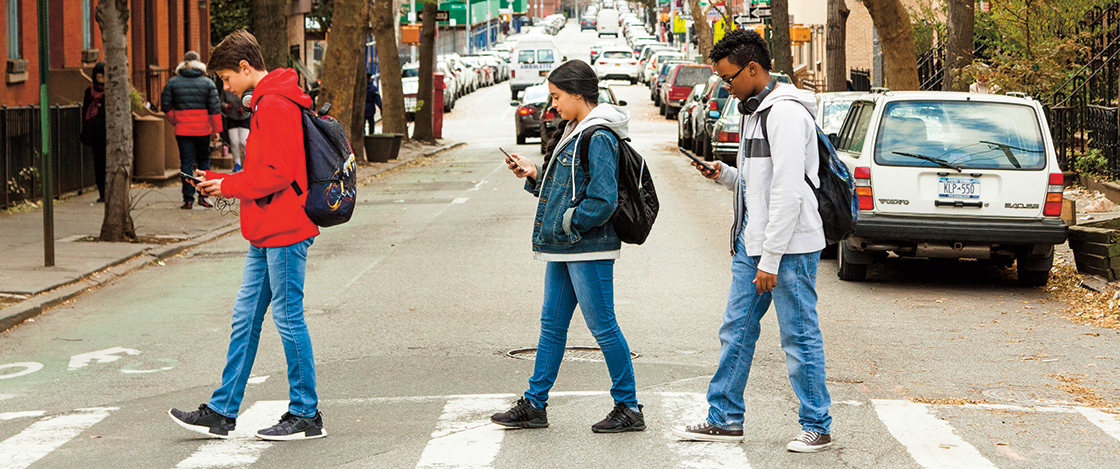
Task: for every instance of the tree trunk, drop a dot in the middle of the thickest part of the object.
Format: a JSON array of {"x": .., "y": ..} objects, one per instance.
[
  {"x": 961, "y": 24},
  {"x": 900, "y": 63},
  {"x": 270, "y": 26},
  {"x": 343, "y": 57},
  {"x": 836, "y": 46},
  {"x": 703, "y": 30},
  {"x": 112, "y": 18},
  {"x": 358, "y": 106},
  {"x": 383, "y": 21},
  {"x": 781, "y": 48},
  {"x": 423, "y": 131}
]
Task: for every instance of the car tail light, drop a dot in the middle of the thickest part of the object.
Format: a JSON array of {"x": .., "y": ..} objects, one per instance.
[
  {"x": 524, "y": 110},
  {"x": 513, "y": 73},
  {"x": 550, "y": 113},
  {"x": 713, "y": 105},
  {"x": 727, "y": 137},
  {"x": 863, "y": 188},
  {"x": 633, "y": 62},
  {"x": 602, "y": 62},
  {"x": 1053, "y": 207}
]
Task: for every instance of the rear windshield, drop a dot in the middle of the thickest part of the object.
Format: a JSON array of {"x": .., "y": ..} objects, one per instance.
[
  {"x": 536, "y": 94},
  {"x": 731, "y": 108},
  {"x": 545, "y": 56},
  {"x": 410, "y": 72},
  {"x": 527, "y": 56},
  {"x": 618, "y": 54},
  {"x": 691, "y": 76},
  {"x": 833, "y": 113},
  {"x": 722, "y": 92},
  {"x": 966, "y": 134}
]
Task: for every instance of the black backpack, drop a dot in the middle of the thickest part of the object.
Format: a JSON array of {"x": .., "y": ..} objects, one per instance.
[
  {"x": 836, "y": 197},
  {"x": 331, "y": 168},
  {"x": 637, "y": 199}
]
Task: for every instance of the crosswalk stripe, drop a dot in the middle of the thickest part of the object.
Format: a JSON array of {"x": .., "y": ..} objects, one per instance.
[
  {"x": 242, "y": 448},
  {"x": 47, "y": 435},
  {"x": 687, "y": 408},
  {"x": 1107, "y": 422},
  {"x": 932, "y": 442},
  {"x": 464, "y": 437},
  {"x": 19, "y": 415}
]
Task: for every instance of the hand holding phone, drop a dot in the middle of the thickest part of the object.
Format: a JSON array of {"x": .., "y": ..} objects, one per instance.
[
  {"x": 514, "y": 164},
  {"x": 509, "y": 158},
  {"x": 188, "y": 177},
  {"x": 703, "y": 166}
]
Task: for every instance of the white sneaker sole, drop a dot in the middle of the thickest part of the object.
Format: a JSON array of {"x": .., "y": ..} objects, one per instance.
[
  {"x": 292, "y": 437},
  {"x": 807, "y": 449},
  {"x": 196, "y": 428},
  {"x": 689, "y": 436}
]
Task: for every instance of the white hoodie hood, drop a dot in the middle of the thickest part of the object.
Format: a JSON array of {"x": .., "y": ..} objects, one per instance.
[{"x": 779, "y": 207}]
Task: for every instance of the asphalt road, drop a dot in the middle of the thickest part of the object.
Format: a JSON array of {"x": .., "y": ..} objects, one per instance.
[{"x": 414, "y": 304}]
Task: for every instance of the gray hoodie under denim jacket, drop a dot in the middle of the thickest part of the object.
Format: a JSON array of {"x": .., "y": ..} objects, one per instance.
[{"x": 574, "y": 208}]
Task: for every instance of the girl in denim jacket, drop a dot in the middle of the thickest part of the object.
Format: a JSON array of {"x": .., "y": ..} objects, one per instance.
[{"x": 573, "y": 234}]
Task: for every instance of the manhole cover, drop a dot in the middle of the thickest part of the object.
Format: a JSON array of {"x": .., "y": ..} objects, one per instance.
[{"x": 571, "y": 354}]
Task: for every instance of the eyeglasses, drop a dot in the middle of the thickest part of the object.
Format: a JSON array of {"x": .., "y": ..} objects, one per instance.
[{"x": 727, "y": 81}]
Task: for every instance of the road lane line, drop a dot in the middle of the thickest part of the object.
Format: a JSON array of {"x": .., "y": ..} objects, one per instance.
[
  {"x": 464, "y": 436},
  {"x": 242, "y": 448},
  {"x": 1107, "y": 422},
  {"x": 19, "y": 415},
  {"x": 932, "y": 442},
  {"x": 47, "y": 435},
  {"x": 461, "y": 200},
  {"x": 684, "y": 408}
]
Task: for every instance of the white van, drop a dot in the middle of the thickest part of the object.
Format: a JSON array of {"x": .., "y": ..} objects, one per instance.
[
  {"x": 533, "y": 59},
  {"x": 607, "y": 23}
]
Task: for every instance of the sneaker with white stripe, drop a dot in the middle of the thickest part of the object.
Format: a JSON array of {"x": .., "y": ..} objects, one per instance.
[{"x": 810, "y": 442}]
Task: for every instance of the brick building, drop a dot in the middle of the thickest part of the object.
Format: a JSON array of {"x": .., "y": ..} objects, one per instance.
[{"x": 160, "y": 32}]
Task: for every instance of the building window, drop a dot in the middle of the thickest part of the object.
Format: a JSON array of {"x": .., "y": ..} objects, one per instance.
[
  {"x": 87, "y": 26},
  {"x": 15, "y": 46}
]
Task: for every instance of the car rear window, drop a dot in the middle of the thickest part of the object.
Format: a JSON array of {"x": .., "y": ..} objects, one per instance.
[
  {"x": 834, "y": 111},
  {"x": 691, "y": 76},
  {"x": 410, "y": 72},
  {"x": 536, "y": 95},
  {"x": 527, "y": 56},
  {"x": 968, "y": 134},
  {"x": 545, "y": 56},
  {"x": 618, "y": 54}
]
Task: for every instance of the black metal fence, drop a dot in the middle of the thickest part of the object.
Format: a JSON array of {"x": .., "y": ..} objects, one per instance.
[
  {"x": 931, "y": 69},
  {"x": 72, "y": 162},
  {"x": 1103, "y": 126},
  {"x": 861, "y": 79}
]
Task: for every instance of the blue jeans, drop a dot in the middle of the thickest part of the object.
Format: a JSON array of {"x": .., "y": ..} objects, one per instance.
[
  {"x": 272, "y": 276},
  {"x": 192, "y": 150},
  {"x": 795, "y": 301},
  {"x": 591, "y": 285}
]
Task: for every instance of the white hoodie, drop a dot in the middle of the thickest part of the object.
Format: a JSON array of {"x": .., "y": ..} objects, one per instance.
[{"x": 779, "y": 207}]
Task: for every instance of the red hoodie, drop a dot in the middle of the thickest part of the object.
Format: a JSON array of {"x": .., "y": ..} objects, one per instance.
[{"x": 274, "y": 157}]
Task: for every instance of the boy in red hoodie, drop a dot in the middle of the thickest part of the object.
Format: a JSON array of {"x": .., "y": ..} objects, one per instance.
[{"x": 279, "y": 233}]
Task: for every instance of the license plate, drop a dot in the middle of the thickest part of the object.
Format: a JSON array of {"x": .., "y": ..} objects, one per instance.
[
  {"x": 617, "y": 65},
  {"x": 959, "y": 188},
  {"x": 544, "y": 73}
]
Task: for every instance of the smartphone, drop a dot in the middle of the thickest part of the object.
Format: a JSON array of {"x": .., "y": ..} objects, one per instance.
[
  {"x": 509, "y": 158},
  {"x": 702, "y": 164},
  {"x": 188, "y": 176}
]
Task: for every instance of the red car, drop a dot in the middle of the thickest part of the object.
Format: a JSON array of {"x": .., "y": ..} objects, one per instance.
[{"x": 678, "y": 84}]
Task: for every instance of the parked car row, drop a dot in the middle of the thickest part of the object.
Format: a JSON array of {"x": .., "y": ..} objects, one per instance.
[
  {"x": 462, "y": 75},
  {"x": 535, "y": 116}
]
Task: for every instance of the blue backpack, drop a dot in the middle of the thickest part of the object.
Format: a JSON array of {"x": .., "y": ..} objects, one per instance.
[
  {"x": 331, "y": 169},
  {"x": 836, "y": 197}
]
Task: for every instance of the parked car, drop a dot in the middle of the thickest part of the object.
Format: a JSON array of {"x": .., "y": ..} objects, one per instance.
[
  {"x": 534, "y": 59},
  {"x": 952, "y": 175},
  {"x": 617, "y": 63},
  {"x": 832, "y": 108},
  {"x": 449, "y": 86},
  {"x": 677, "y": 85},
  {"x": 607, "y": 23},
  {"x": 410, "y": 83},
  {"x": 598, "y": 47},
  {"x": 657, "y": 58},
  {"x": 587, "y": 22},
  {"x": 684, "y": 119},
  {"x": 712, "y": 99},
  {"x": 551, "y": 118},
  {"x": 723, "y": 143},
  {"x": 655, "y": 82},
  {"x": 642, "y": 42},
  {"x": 526, "y": 119}
]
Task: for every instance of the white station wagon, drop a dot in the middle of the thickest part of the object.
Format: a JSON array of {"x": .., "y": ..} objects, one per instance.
[{"x": 952, "y": 175}]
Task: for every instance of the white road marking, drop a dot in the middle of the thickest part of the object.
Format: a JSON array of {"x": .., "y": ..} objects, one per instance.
[
  {"x": 464, "y": 436},
  {"x": 19, "y": 415},
  {"x": 108, "y": 355},
  {"x": 686, "y": 408},
  {"x": 461, "y": 200},
  {"x": 46, "y": 435},
  {"x": 509, "y": 398},
  {"x": 932, "y": 442},
  {"x": 1107, "y": 422},
  {"x": 28, "y": 368},
  {"x": 1042, "y": 409},
  {"x": 258, "y": 379},
  {"x": 242, "y": 448}
]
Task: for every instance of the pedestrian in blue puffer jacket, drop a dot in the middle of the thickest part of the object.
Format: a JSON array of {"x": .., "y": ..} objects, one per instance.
[{"x": 573, "y": 233}]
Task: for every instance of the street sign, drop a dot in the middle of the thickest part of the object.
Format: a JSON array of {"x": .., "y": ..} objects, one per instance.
[
  {"x": 441, "y": 15},
  {"x": 759, "y": 12},
  {"x": 746, "y": 19}
]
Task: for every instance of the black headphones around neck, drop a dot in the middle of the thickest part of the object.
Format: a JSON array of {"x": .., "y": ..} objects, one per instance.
[{"x": 751, "y": 105}]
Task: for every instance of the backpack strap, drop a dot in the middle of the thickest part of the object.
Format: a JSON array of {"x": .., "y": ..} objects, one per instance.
[
  {"x": 583, "y": 147},
  {"x": 765, "y": 135}
]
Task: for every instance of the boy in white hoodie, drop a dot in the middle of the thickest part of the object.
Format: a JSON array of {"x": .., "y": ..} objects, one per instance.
[{"x": 775, "y": 243}]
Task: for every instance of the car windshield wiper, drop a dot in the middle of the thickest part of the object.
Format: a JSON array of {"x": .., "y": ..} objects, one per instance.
[
  {"x": 1007, "y": 151},
  {"x": 938, "y": 161}
]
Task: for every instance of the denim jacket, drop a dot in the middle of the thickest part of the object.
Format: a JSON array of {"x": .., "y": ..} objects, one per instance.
[{"x": 574, "y": 208}]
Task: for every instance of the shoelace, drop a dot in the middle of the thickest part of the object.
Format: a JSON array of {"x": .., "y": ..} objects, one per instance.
[
  {"x": 807, "y": 437},
  {"x": 619, "y": 415},
  {"x": 521, "y": 410},
  {"x": 696, "y": 427},
  {"x": 204, "y": 409}
]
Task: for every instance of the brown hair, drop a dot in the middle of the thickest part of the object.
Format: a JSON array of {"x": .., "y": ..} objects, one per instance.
[{"x": 237, "y": 46}]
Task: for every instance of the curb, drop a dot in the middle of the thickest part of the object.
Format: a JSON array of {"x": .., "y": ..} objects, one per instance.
[{"x": 18, "y": 313}]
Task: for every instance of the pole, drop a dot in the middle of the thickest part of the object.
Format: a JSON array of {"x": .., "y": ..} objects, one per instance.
[
  {"x": 412, "y": 20},
  {"x": 470, "y": 29},
  {"x": 45, "y": 136}
]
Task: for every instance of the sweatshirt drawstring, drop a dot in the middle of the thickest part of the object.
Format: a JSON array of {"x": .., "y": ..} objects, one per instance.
[{"x": 574, "y": 162}]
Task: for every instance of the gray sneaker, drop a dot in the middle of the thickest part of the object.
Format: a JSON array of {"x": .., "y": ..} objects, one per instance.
[
  {"x": 810, "y": 442},
  {"x": 294, "y": 427},
  {"x": 708, "y": 432}
]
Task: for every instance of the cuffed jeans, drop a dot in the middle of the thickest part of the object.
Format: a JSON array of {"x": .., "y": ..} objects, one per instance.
[
  {"x": 591, "y": 285},
  {"x": 192, "y": 151},
  {"x": 272, "y": 276},
  {"x": 795, "y": 301}
]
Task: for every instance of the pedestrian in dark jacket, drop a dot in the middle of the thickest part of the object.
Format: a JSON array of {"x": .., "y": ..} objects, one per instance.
[
  {"x": 93, "y": 126},
  {"x": 373, "y": 102},
  {"x": 235, "y": 119},
  {"x": 191, "y": 103}
]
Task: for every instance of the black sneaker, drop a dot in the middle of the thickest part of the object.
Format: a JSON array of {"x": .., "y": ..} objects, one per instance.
[
  {"x": 708, "y": 432},
  {"x": 621, "y": 419},
  {"x": 187, "y": 204},
  {"x": 810, "y": 442},
  {"x": 204, "y": 421},
  {"x": 205, "y": 202},
  {"x": 294, "y": 427},
  {"x": 522, "y": 415}
]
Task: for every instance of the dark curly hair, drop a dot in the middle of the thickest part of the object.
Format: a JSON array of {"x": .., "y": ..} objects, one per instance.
[{"x": 741, "y": 47}]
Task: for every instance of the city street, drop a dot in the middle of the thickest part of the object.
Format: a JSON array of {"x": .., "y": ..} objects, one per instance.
[{"x": 416, "y": 304}]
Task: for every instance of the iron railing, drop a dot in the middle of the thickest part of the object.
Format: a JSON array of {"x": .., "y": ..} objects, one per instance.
[
  {"x": 151, "y": 83},
  {"x": 1103, "y": 126},
  {"x": 72, "y": 162},
  {"x": 861, "y": 79}
]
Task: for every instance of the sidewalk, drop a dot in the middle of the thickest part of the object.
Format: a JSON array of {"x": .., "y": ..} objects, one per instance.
[{"x": 81, "y": 262}]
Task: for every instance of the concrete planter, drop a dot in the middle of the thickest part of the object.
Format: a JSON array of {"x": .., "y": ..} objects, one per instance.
[
  {"x": 1096, "y": 248},
  {"x": 381, "y": 148}
]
